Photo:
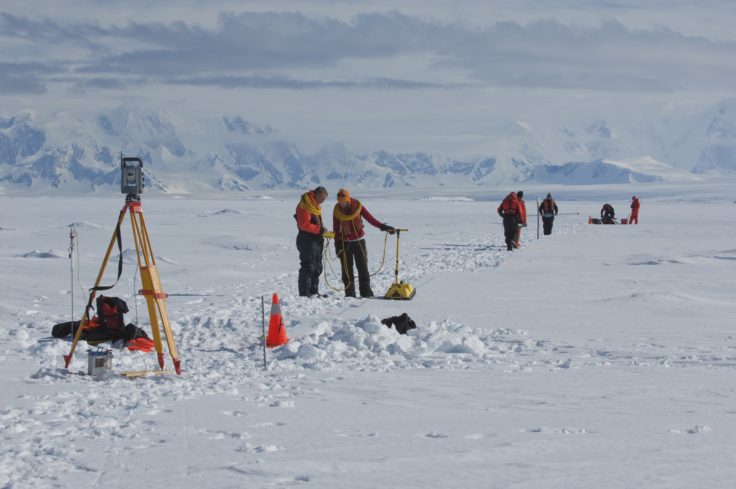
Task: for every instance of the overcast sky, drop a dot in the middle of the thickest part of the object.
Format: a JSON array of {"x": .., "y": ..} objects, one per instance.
[{"x": 369, "y": 73}]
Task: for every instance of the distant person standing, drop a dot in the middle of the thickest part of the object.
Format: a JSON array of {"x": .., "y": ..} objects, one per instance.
[
  {"x": 522, "y": 218},
  {"x": 548, "y": 210},
  {"x": 634, "y": 210},
  {"x": 509, "y": 210},
  {"x": 309, "y": 241},
  {"x": 608, "y": 215}
]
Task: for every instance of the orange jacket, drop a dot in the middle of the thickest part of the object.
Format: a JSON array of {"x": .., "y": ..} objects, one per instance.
[
  {"x": 522, "y": 211},
  {"x": 509, "y": 206},
  {"x": 307, "y": 222}
]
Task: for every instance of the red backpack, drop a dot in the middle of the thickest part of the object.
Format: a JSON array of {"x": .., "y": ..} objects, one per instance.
[{"x": 110, "y": 312}]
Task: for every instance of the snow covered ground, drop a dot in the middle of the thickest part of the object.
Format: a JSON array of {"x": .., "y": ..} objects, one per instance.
[{"x": 601, "y": 356}]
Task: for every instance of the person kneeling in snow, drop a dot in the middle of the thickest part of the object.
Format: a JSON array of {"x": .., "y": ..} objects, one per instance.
[
  {"x": 347, "y": 222},
  {"x": 608, "y": 215}
]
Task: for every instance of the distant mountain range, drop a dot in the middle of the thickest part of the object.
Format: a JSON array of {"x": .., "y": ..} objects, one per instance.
[{"x": 63, "y": 152}]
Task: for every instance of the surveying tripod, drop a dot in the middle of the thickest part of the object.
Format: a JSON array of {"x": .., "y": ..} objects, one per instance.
[{"x": 155, "y": 297}]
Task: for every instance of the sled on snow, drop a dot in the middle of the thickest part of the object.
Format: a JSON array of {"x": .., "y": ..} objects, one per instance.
[{"x": 595, "y": 220}]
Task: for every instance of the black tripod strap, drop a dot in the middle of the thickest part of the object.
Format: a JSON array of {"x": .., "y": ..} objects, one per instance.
[{"x": 120, "y": 263}]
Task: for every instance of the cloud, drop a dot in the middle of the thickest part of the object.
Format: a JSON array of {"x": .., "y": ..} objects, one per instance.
[
  {"x": 24, "y": 78},
  {"x": 284, "y": 82},
  {"x": 105, "y": 83},
  {"x": 608, "y": 57},
  {"x": 46, "y": 31},
  {"x": 84, "y": 85},
  {"x": 235, "y": 53},
  {"x": 16, "y": 85},
  {"x": 257, "y": 41}
]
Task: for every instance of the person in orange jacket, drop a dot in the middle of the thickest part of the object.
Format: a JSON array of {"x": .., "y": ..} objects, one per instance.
[
  {"x": 309, "y": 241},
  {"x": 510, "y": 211},
  {"x": 634, "y": 210},
  {"x": 522, "y": 217},
  {"x": 347, "y": 222}
]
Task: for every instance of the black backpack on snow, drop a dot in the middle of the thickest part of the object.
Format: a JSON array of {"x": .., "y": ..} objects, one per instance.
[{"x": 402, "y": 323}]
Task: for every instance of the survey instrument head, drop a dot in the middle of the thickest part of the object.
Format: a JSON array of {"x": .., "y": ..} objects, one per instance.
[{"x": 131, "y": 177}]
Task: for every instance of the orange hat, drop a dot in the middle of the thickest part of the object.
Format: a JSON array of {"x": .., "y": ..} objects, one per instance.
[{"x": 343, "y": 195}]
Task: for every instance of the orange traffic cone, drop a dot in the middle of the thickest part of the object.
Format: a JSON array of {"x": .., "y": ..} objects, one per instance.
[{"x": 276, "y": 328}]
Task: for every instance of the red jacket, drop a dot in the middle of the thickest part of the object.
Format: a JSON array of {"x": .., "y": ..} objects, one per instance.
[
  {"x": 522, "y": 211},
  {"x": 352, "y": 230},
  {"x": 510, "y": 206},
  {"x": 635, "y": 205},
  {"x": 307, "y": 222}
]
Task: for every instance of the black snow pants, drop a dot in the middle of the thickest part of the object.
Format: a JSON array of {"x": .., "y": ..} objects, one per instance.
[
  {"x": 310, "y": 256},
  {"x": 547, "y": 223},
  {"x": 354, "y": 252},
  {"x": 510, "y": 228}
]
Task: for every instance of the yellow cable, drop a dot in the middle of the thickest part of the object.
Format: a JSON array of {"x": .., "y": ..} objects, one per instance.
[
  {"x": 344, "y": 264},
  {"x": 326, "y": 258}
]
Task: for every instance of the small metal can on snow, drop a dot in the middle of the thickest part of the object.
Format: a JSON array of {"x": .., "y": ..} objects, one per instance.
[{"x": 99, "y": 362}]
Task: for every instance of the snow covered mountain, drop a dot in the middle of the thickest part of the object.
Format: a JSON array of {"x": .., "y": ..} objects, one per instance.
[
  {"x": 47, "y": 152},
  {"x": 60, "y": 152},
  {"x": 639, "y": 170},
  {"x": 720, "y": 151}
]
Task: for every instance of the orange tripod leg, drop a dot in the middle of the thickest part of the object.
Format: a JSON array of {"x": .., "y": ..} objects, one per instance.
[{"x": 152, "y": 290}]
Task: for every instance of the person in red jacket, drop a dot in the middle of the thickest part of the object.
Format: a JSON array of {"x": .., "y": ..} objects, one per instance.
[
  {"x": 510, "y": 211},
  {"x": 522, "y": 218},
  {"x": 634, "y": 210},
  {"x": 309, "y": 241},
  {"x": 347, "y": 222}
]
